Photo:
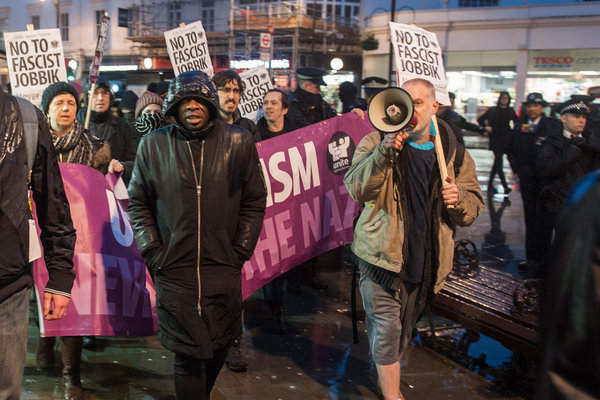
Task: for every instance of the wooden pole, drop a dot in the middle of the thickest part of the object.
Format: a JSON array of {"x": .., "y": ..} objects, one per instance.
[{"x": 439, "y": 152}]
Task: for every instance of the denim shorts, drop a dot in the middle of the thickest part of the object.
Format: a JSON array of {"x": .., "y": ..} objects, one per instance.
[{"x": 390, "y": 317}]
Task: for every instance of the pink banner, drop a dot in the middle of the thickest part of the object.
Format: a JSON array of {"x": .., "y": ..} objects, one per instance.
[
  {"x": 309, "y": 210},
  {"x": 113, "y": 294}
]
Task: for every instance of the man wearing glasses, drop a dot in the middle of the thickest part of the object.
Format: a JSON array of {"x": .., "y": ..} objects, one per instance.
[{"x": 229, "y": 89}]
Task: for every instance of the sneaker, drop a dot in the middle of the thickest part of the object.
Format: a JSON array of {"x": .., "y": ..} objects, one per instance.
[{"x": 236, "y": 361}]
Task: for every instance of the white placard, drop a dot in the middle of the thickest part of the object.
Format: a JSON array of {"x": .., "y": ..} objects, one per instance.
[
  {"x": 188, "y": 49},
  {"x": 35, "y": 60},
  {"x": 417, "y": 54},
  {"x": 257, "y": 83}
]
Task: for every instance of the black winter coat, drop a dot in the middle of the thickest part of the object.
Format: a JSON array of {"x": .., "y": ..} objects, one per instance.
[
  {"x": 263, "y": 132},
  {"x": 308, "y": 108},
  {"x": 54, "y": 216},
  {"x": 560, "y": 163},
  {"x": 500, "y": 120},
  {"x": 196, "y": 205},
  {"x": 526, "y": 142},
  {"x": 118, "y": 134}
]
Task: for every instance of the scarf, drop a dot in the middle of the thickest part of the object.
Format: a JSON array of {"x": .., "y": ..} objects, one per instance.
[
  {"x": 74, "y": 147},
  {"x": 146, "y": 123}
]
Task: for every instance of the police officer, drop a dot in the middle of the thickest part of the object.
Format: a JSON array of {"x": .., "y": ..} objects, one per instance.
[
  {"x": 532, "y": 131},
  {"x": 307, "y": 106},
  {"x": 561, "y": 161},
  {"x": 373, "y": 85}
]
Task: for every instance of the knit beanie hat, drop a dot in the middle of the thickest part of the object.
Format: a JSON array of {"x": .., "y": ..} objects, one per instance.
[
  {"x": 54, "y": 90},
  {"x": 145, "y": 99}
]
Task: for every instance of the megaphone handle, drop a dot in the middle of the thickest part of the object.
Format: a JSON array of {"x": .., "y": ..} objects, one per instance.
[{"x": 439, "y": 152}]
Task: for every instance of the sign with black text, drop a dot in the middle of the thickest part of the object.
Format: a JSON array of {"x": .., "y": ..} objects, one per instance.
[
  {"x": 257, "y": 83},
  {"x": 417, "y": 54},
  {"x": 188, "y": 49},
  {"x": 35, "y": 60}
]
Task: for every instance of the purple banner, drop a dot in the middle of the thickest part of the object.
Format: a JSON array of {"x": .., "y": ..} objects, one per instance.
[
  {"x": 113, "y": 294},
  {"x": 309, "y": 210}
]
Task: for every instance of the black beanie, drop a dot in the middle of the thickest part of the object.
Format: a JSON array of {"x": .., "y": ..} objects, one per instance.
[
  {"x": 128, "y": 100},
  {"x": 54, "y": 90}
]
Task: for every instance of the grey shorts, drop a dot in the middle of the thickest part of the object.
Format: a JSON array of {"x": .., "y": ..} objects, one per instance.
[{"x": 390, "y": 317}]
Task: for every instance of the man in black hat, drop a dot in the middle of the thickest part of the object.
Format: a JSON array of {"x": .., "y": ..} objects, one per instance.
[
  {"x": 531, "y": 132},
  {"x": 373, "y": 85},
  {"x": 197, "y": 201},
  {"x": 561, "y": 161},
  {"x": 307, "y": 106}
]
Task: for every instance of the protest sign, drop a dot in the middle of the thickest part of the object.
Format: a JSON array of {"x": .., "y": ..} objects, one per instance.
[
  {"x": 418, "y": 55},
  {"x": 113, "y": 294},
  {"x": 257, "y": 83},
  {"x": 309, "y": 211},
  {"x": 188, "y": 49},
  {"x": 35, "y": 60}
]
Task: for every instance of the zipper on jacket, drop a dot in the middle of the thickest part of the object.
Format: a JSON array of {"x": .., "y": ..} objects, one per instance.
[{"x": 198, "y": 181}]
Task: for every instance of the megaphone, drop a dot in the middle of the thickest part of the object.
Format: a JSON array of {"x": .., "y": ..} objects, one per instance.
[{"x": 391, "y": 110}]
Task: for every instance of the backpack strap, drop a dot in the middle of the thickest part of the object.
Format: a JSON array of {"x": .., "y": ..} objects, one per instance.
[
  {"x": 459, "y": 157},
  {"x": 30, "y": 126}
]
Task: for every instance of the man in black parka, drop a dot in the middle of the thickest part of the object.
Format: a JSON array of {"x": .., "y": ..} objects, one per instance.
[{"x": 197, "y": 201}]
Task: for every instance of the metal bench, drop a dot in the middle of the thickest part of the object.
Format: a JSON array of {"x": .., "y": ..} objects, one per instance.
[{"x": 490, "y": 301}]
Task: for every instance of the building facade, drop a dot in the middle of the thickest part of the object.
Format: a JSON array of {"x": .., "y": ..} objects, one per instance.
[{"x": 552, "y": 47}]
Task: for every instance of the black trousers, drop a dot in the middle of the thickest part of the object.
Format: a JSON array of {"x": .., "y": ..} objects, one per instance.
[
  {"x": 497, "y": 169},
  {"x": 529, "y": 194},
  {"x": 194, "y": 377}
]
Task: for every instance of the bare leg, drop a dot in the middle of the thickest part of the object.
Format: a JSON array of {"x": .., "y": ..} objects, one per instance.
[{"x": 389, "y": 380}]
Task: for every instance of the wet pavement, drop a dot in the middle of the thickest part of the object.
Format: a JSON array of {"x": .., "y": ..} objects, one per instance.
[{"x": 316, "y": 358}]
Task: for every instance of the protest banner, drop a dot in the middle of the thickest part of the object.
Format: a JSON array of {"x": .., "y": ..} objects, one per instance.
[
  {"x": 188, "y": 49},
  {"x": 417, "y": 54},
  {"x": 35, "y": 60},
  {"x": 309, "y": 210},
  {"x": 257, "y": 83},
  {"x": 113, "y": 294}
]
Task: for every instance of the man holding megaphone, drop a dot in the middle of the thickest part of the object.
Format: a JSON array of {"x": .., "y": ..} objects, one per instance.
[{"x": 413, "y": 200}]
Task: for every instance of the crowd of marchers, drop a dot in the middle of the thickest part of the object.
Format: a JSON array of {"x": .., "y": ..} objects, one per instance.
[{"x": 195, "y": 233}]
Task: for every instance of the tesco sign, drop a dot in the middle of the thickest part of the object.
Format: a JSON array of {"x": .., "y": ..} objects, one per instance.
[{"x": 560, "y": 61}]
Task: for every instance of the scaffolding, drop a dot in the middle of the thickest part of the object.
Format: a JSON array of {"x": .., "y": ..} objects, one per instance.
[{"x": 300, "y": 34}]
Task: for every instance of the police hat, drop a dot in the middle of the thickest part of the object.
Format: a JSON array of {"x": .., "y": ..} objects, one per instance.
[
  {"x": 574, "y": 106},
  {"x": 535, "y": 98},
  {"x": 311, "y": 74},
  {"x": 373, "y": 84}
]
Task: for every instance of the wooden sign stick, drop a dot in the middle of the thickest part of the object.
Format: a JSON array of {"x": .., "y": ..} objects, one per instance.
[{"x": 439, "y": 152}]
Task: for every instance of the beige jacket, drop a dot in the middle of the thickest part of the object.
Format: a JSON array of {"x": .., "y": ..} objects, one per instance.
[{"x": 379, "y": 233}]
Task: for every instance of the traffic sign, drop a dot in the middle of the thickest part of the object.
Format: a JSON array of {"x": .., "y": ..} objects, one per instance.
[{"x": 265, "y": 40}]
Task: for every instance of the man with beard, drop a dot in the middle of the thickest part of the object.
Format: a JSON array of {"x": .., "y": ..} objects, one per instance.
[
  {"x": 113, "y": 130},
  {"x": 530, "y": 134},
  {"x": 404, "y": 235},
  {"x": 197, "y": 201},
  {"x": 229, "y": 89}
]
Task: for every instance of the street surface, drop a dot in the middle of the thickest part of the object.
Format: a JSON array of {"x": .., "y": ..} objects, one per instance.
[{"x": 317, "y": 359}]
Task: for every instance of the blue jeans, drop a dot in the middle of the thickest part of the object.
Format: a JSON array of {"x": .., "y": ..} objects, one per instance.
[{"x": 14, "y": 321}]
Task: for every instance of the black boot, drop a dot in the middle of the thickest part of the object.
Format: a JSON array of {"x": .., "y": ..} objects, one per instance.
[
  {"x": 71, "y": 359},
  {"x": 45, "y": 353},
  {"x": 236, "y": 361}
]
